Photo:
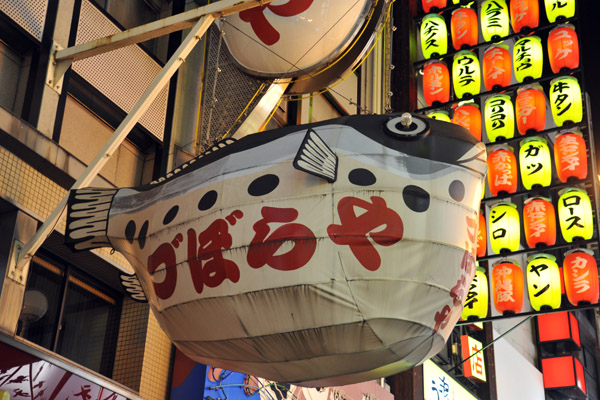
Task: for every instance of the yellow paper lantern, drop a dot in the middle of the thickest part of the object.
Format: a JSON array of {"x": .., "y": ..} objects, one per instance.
[
  {"x": 476, "y": 303},
  {"x": 466, "y": 74},
  {"x": 543, "y": 282},
  {"x": 495, "y": 21},
  {"x": 575, "y": 214},
  {"x": 559, "y": 9},
  {"x": 499, "y": 115},
  {"x": 535, "y": 162},
  {"x": 434, "y": 36},
  {"x": 504, "y": 229},
  {"x": 565, "y": 100},
  {"x": 440, "y": 115},
  {"x": 528, "y": 58}
]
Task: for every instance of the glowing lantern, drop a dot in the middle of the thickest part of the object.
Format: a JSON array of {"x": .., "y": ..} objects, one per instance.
[
  {"x": 524, "y": 15},
  {"x": 502, "y": 170},
  {"x": 497, "y": 71},
  {"x": 575, "y": 214},
  {"x": 481, "y": 236},
  {"x": 535, "y": 162},
  {"x": 507, "y": 287},
  {"x": 565, "y": 373},
  {"x": 469, "y": 117},
  {"x": 530, "y": 107},
  {"x": 559, "y": 9},
  {"x": 504, "y": 228},
  {"x": 543, "y": 282},
  {"x": 440, "y": 115},
  {"x": 466, "y": 74},
  {"x": 499, "y": 117},
  {"x": 494, "y": 20},
  {"x": 476, "y": 304},
  {"x": 464, "y": 28},
  {"x": 581, "y": 277},
  {"x": 539, "y": 221},
  {"x": 570, "y": 156},
  {"x": 528, "y": 58},
  {"x": 565, "y": 100},
  {"x": 436, "y": 83},
  {"x": 563, "y": 48},
  {"x": 434, "y": 36},
  {"x": 428, "y": 5}
]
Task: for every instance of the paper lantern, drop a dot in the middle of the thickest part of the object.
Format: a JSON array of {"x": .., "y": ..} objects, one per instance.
[
  {"x": 435, "y": 5},
  {"x": 466, "y": 74},
  {"x": 570, "y": 156},
  {"x": 528, "y": 58},
  {"x": 464, "y": 28},
  {"x": 436, "y": 83},
  {"x": 481, "y": 236},
  {"x": 507, "y": 287},
  {"x": 495, "y": 22},
  {"x": 559, "y": 327},
  {"x": 499, "y": 117},
  {"x": 502, "y": 170},
  {"x": 469, "y": 117},
  {"x": 497, "y": 69},
  {"x": 543, "y": 282},
  {"x": 530, "y": 107},
  {"x": 559, "y": 9},
  {"x": 539, "y": 222},
  {"x": 434, "y": 36},
  {"x": 566, "y": 101},
  {"x": 565, "y": 372},
  {"x": 575, "y": 214},
  {"x": 440, "y": 115},
  {"x": 476, "y": 304},
  {"x": 504, "y": 228},
  {"x": 563, "y": 48},
  {"x": 535, "y": 162},
  {"x": 581, "y": 277},
  {"x": 524, "y": 15}
]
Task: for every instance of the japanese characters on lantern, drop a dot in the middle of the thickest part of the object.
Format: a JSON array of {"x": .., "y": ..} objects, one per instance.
[
  {"x": 434, "y": 36},
  {"x": 530, "y": 107},
  {"x": 464, "y": 28},
  {"x": 528, "y": 58},
  {"x": 499, "y": 117},
  {"x": 539, "y": 222},
  {"x": 497, "y": 69},
  {"x": 476, "y": 303},
  {"x": 466, "y": 74},
  {"x": 436, "y": 83},
  {"x": 543, "y": 282},
  {"x": 581, "y": 277},
  {"x": 535, "y": 162},
  {"x": 507, "y": 287},
  {"x": 570, "y": 156},
  {"x": 469, "y": 117},
  {"x": 494, "y": 20},
  {"x": 440, "y": 114},
  {"x": 566, "y": 100},
  {"x": 563, "y": 48},
  {"x": 504, "y": 228},
  {"x": 481, "y": 236},
  {"x": 428, "y": 5},
  {"x": 524, "y": 15},
  {"x": 559, "y": 9},
  {"x": 502, "y": 170},
  {"x": 575, "y": 214}
]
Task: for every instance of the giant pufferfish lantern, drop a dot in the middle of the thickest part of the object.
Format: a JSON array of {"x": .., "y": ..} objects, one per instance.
[{"x": 321, "y": 254}]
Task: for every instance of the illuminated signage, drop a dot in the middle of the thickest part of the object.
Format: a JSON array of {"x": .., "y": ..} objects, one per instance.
[
  {"x": 437, "y": 385},
  {"x": 474, "y": 367}
]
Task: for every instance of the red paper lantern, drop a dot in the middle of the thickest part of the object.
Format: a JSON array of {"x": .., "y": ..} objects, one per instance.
[
  {"x": 563, "y": 48},
  {"x": 531, "y": 110},
  {"x": 524, "y": 15},
  {"x": 464, "y": 28},
  {"x": 497, "y": 69},
  {"x": 469, "y": 117},
  {"x": 436, "y": 83},
  {"x": 570, "y": 156},
  {"x": 481, "y": 236},
  {"x": 564, "y": 372},
  {"x": 428, "y": 5},
  {"x": 581, "y": 277},
  {"x": 539, "y": 221},
  {"x": 502, "y": 170},
  {"x": 507, "y": 287}
]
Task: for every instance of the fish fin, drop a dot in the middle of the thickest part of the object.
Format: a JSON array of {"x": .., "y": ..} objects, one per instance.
[
  {"x": 132, "y": 286},
  {"x": 475, "y": 159},
  {"x": 316, "y": 158},
  {"x": 87, "y": 218}
]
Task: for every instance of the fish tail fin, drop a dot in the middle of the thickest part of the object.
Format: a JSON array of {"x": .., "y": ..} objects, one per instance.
[{"x": 87, "y": 218}]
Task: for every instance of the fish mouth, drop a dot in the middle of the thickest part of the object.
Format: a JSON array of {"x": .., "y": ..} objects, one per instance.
[{"x": 475, "y": 159}]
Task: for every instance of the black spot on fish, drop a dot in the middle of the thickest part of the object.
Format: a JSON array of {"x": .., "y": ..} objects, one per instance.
[
  {"x": 457, "y": 190},
  {"x": 208, "y": 200},
  {"x": 130, "y": 231},
  {"x": 263, "y": 185},
  {"x": 171, "y": 214},
  {"x": 143, "y": 233},
  {"x": 361, "y": 177},
  {"x": 416, "y": 198}
]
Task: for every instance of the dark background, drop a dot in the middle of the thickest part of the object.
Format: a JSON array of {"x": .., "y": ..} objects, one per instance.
[{"x": 589, "y": 37}]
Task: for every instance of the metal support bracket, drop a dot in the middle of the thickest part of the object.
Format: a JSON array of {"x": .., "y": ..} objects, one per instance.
[
  {"x": 57, "y": 69},
  {"x": 15, "y": 270}
]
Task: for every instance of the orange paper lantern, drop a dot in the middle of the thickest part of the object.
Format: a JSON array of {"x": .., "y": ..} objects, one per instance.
[
  {"x": 570, "y": 156},
  {"x": 539, "y": 220},
  {"x": 464, "y": 28},
  {"x": 507, "y": 287},
  {"x": 502, "y": 170},
  {"x": 581, "y": 277},
  {"x": 497, "y": 69},
  {"x": 524, "y": 15},
  {"x": 531, "y": 110},
  {"x": 481, "y": 236},
  {"x": 436, "y": 83},
  {"x": 469, "y": 117},
  {"x": 563, "y": 48},
  {"x": 429, "y": 5}
]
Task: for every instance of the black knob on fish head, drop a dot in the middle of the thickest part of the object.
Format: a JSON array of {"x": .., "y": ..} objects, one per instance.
[{"x": 407, "y": 127}]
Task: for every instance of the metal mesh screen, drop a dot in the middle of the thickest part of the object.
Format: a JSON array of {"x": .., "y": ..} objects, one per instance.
[{"x": 29, "y": 14}]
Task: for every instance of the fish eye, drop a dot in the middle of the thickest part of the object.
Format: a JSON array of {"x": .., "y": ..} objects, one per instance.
[
  {"x": 170, "y": 215},
  {"x": 208, "y": 200},
  {"x": 263, "y": 185},
  {"x": 457, "y": 190},
  {"x": 416, "y": 198},
  {"x": 362, "y": 177}
]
